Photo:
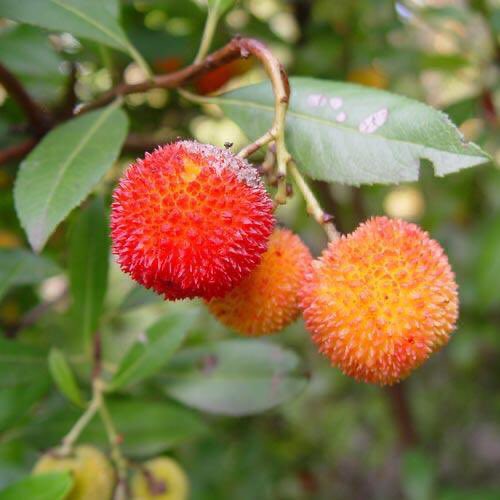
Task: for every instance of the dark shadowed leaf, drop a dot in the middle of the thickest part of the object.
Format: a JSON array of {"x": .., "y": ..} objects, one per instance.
[
  {"x": 418, "y": 475},
  {"x": 26, "y": 51},
  {"x": 24, "y": 379},
  {"x": 20, "y": 267},
  {"x": 51, "y": 486},
  {"x": 88, "y": 267},
  {"x": 152, "y": 350},
  {"x": 487, "y": 264},
  {"x": 235, "y": 377},
  {"x": 148, "y": 427},
  {"x": 64, "y": 377},
  {"x": 61, "y": 171},
  {"x": 353, "y": 134},
  {"x": 138, "y": 296}
]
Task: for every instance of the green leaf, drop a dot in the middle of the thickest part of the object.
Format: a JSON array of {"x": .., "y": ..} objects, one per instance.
[
  {"x": 63, "y": 377},
  {"x": 148, "y": 427},
  {"x": 20, "y": 267},
  {"x": 353, "y": 134},
  {"x": 61, "y": 171},
  {"x": 477, "y": 494},
  {"x": 487, "y": 264},
  {"x": 138, "y": 296},
  {"x": 88, "y": 268},
  {"x": 50, "y": 486},
  {"x": 152, "y": 350},
  {"x": 26, "y": 51},
  {"x": 417, "y": 475},
  {"x": 24, "y": 379},
  {"x": 235, "y": 377},
  {"x": 91, "y": 19}
]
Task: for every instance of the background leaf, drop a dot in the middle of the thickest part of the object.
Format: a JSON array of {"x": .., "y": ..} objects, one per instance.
[
  {"x": 51, "y": 486},
  {"x": 418, "y": 475},
  {"x": 63, "y": 377},
  {"x": 355, "y": 135},
  {"x": 487, "y": 264},
  {"x": 152, "y": 350},
  {"x": 88, "y": 267},
  {"x": 138, "y": 296},
  {"x": 64, "y": 167},
  {"x": 92, "y": 19},
  {"x": 235, "y": 377},
  {"x": 26, "y": 51},
  {"x": 20, "y": 267},
  {"x": 148, "y": 427},
  {"x": 24, "y": 379}
]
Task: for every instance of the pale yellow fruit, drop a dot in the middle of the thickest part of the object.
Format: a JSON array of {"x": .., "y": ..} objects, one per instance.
[
  {"x": 161, "y": 479},
  {"x": 93, "y": 475}
]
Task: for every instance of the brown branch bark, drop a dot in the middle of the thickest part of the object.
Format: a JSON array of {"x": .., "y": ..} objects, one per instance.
[
  {"x": 17, "y": 151},
  {"x": 37, "y": 116},
  {"x": 139, "y": 143},
  {"x": 69, "y": 101},
  {"x": 237, "y": 48},
  {"x": 402, "y": 415}
]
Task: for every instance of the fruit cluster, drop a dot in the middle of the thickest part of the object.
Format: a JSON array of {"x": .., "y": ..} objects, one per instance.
[
  {"x": 160, "y": 478},
  {"x": 192, "y": 220}
]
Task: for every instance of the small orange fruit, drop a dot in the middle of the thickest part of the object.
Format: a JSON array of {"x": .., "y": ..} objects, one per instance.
[
  {"x": 379, "y": 301},
  {"x": 267, "y": 300}
]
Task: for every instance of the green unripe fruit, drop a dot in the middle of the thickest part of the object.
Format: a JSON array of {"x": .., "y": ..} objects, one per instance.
[
  {"x": 160, "y": 479},
  {"x": 92, "y": 473}
]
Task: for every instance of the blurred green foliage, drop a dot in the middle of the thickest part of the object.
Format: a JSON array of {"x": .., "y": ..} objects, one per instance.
[{"x": 338, "y": 439}]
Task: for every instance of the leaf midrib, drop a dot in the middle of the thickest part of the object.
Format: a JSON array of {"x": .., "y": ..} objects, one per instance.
[
  {"x": 63, "y": 169},
  {"x": 90, "y": 21},
  {"x": 302, "y": 116},
  {"x": 117, "y": 380}
]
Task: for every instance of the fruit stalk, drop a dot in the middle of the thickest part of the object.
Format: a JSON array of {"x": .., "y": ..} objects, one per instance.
[
  {"x": 70, "y": 438},
  {"x": 313, "y": 207}
]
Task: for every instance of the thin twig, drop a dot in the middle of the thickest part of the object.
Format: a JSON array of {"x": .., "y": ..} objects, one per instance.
[
  {"x": 313, "y": 207},
  {"x": 69, "y": 100},
  {"x": 34, "y": 314},
  {"x": 114, "y": 441},
  {"x": 402, "y": 415},
  {"x": 37, "y": 116},
  {"x": 17, "y": 151},
  {"x": 237, "y": 48},
  {"x": 138, "y": 142},
  {"x": 72, "y": 436}
]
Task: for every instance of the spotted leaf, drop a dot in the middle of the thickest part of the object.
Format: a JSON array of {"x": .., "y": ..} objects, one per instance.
[{"x": 353, "y": 134}]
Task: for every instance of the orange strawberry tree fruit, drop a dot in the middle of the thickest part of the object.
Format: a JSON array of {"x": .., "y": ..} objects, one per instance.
[{"x": 186, "y": 221}]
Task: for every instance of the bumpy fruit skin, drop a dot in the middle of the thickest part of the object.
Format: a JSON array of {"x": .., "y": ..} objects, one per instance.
[
  {"x": 379, "y": 301},
  {"x": 164, "y": 480},
  {"x": 190, "y": 220},
  {"x": 92, "y": 473},
  {"x": 267, "y": 300}
]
